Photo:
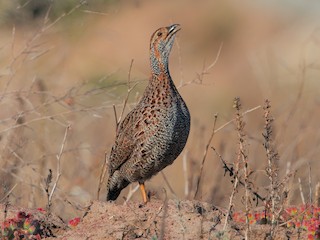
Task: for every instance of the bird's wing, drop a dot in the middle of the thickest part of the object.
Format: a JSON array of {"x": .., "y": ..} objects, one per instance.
[
  {"x": 134, "y": 130},
  {"x": 124, "y": 144}
]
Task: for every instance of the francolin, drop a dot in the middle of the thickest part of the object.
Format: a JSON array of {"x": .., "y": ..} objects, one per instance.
[{"x": 155, "y": 132}]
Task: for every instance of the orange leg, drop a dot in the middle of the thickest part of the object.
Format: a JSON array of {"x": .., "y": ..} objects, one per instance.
[{"x": 143, "y": 193}]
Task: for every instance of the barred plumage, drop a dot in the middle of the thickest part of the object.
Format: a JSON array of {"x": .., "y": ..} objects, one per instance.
[{"x": 155, "y": 132}]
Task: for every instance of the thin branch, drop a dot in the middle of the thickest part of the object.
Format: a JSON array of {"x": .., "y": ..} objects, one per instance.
[
  {"x": 185, "y": 171},
  {"x": 243, "y": 160},
  {"x": 237, "y": 175},
  {"x": 126, "y": 98},
  {"x": 231, "y": 172},
  {"x": 205, "y": 70},
  {"x": 232, "y": 120},
  {"x": 168, "y": 184},
  {"x": 130, "y": 193},
  {"x": 205, "y": 155},
  {"x": 116, "y": 117},
  {"x": 317, "y": 195},
  {"x": 28, "y": 46},
  {"x": 50, "y": 117},
  {"x": 24, "y": 4},
  {"x": 59, "y": 164},
  {"x": 95, "y": 12},
  {"x": 310, "y": 185},
  {"x": 8, "y": 193},
  {"x": 301, "y": 192},
  {"x": 216, "y": 60},
  {"x": 102, "y": 174},
  {"x": 80, "y": 4},
  {"x": 125, "y": 103},
  {"x": 129, "y": 73},
  {"x": 272, "y": 169},
  {"x": 164, "y": 216}
]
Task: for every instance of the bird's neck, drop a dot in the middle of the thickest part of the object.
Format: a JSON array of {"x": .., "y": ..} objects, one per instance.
[
  {"x": 160, "y": 83},
  {"x": 159, "y": 64}
]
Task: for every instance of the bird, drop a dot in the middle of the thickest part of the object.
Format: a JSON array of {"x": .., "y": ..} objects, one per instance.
[{"x": 156, "y": 130}]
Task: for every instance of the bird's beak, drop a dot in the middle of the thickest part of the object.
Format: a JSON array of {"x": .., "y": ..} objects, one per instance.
[{"x": 173, "y": 29}]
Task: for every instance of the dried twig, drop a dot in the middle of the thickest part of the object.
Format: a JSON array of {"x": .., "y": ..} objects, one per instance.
[
  {"x": 205, "y": 156},
  {"x": 47, "y": 189},
  {"x": 235, "y": 181},
  {"x": 232, "y": 120},
  {"x": 126, "y": 98},
  {"x": 6, "y": 199},
  {"x": 243, "y": 159},
  {"x": 310, "y": 186},
  {"x": 118, "y": 121},
  {"x": 277, "y": 192},
  {"x": 129, "y": 73},
  {"x": 205, "y": 70},
  {"x": 231, "y": 172},
  {"x": 95, "y": 12},
  {"x": 164, "y": 216},
  {"x": 55, "y": 184},
  {"x": 29, "y": 44},
  {"x": 317, "y": 194},
  {"x": 102, "y": 174},
  {"x": 185, "y": 173},
  {"x": 131, "y": 192},
  {"x": 168, "y": 184},
  {"x": 115, "y": 116},
  {"x": 301, "y": 192},
  {"x": 8, "y": 193},
  {"x": 273, "y": 159},
  {"x": 230, "y": 205}
]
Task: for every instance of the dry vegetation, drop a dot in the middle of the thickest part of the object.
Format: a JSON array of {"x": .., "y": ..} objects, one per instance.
[{"x": 69, "y": 73}]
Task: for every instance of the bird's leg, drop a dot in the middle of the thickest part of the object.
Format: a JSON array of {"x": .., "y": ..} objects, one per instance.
[{"x": 143, "y": 192}]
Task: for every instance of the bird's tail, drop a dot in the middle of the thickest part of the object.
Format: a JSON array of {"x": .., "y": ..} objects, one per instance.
[{"x": 115, "y": 185}]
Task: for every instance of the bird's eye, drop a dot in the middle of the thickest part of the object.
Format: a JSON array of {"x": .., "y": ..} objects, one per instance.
[{"x": 159, "y": 34}]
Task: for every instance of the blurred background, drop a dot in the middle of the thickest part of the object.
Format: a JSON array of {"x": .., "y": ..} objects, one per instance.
[{"x": 66, "y": 63}]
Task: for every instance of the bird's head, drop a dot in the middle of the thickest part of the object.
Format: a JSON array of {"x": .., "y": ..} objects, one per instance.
[{"x": 160, "y": 47}]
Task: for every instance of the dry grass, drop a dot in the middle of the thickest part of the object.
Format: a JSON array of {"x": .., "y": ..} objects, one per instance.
[{"x": 65, "y": 80}]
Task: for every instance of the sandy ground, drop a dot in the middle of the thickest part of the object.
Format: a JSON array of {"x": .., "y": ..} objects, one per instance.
[{"x": 172, "y": 219}]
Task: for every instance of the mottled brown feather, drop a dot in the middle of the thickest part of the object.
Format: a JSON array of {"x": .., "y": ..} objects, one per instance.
[{"x": 155, "y": 132}]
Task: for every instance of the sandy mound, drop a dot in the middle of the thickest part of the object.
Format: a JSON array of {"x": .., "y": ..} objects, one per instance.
[
  {"x": 156, "y": 220},
  {"x": 174, "y": 220}
]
